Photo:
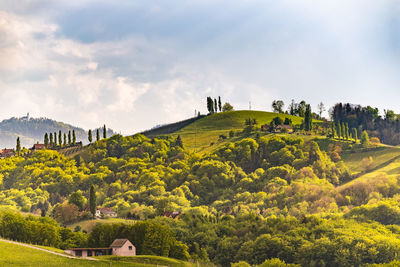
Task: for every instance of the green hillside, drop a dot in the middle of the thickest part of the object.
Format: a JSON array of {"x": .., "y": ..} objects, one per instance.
[
  {"x": 16, "y": 255},
  {"x": 201, "y": 133}
]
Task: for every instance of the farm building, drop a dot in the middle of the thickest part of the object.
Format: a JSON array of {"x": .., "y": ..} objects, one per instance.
[
  {"x": 105, "y": 212},
  {"x": 120, "y": 247}
]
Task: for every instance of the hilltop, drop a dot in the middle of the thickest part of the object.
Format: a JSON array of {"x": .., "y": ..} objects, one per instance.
[{"x": 32, "y": 130}]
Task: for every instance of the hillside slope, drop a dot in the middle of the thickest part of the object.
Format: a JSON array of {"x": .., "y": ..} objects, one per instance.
[
  {"x": 32, "y": 130},
  {"x": 200, "y": 134}
]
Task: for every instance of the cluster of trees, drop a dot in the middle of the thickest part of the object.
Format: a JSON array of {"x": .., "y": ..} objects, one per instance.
[
  {"x": 214, "y": 106},
  {"x": 50, "y": 140},
  {"x": 386, "y": 128},
  {"x": 298, "y": 109},
  {"x": 90, "y": 134}
]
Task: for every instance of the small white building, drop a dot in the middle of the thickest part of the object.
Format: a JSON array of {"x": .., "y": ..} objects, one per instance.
[
  {"x": 105, "y": 212},
  {"x": 120, "y": 247}
]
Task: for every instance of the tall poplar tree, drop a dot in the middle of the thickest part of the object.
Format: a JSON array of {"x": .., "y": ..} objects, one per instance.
[
  {"x": 73, "y": 137},
  {"x": 18, "y": 148},
  {"x": 347, "y": 131},
  {"x": 92, "y": 200},
  {"x": 104, "y": 132},
  {"x": 59, "y": 138},
  {"x": 46, "y": 140},
  {"x": 55, "y": 138},
  {"x": 219, "y": 104},
  {"x": 339, "y": 130},
  {"x": 69, "y": 137},
  {"x": 90, "y": 137},
  {"x": 343, "y": 130},
  {"x": 333, "y": 130},
  {"x": 51, "y": 139},
  {"x": 65, "y": 139},
  {"x": 97, "y": 135},
  {"x": 308, "y": 119},
  {"x": 355, "y": 136}
]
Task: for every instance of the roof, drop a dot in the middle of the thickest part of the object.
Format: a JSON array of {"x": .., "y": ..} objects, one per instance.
[
  {"x": 118, "y": 243},
  {"x": 106, "y": 210},
  {"x": 38, "y": 146},
  {"x": 77, "y": 249}
]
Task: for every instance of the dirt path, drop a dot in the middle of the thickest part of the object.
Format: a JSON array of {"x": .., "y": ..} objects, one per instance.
[{"x": 45, "y": 250}]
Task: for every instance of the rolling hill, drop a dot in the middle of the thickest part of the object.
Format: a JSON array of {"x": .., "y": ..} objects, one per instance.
[
  {"x": 203, "y": 134},
  {"x": 32, "y": 130}
]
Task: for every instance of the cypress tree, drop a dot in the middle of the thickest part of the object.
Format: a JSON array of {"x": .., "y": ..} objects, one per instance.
[
  {"x": 104, "y": 132},
  {"x": 355, "y": 136},
  {"x": 92, "y": 200},
  {"x": 46, "y": 140},
  {"x": 69, "y": 137},
  {"x": 215, "y": 105},
  {"x": 333, "y": 130},
  {"x": 65, "y": 139},
  {"x": 90, "y": 137},
  {"x": 55, "y": 138},
  {"x": 18, "y": 148},
  {"x": 219, "y": 104},
  {"x": 339, "y": 130},
  {"x": 343, "y": 130},
  {"x": 51, "y": 139},
  {"x": 59, "y": 138},
  {"x": 97, "y": 135},
  {"x": 308, "y": 119},
  {"x": 73, "y": 137},
  {"x": 347, "y": 131}
]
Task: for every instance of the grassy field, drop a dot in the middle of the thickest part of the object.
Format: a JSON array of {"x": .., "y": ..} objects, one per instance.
[
  {"x": 200, "y": 134},
  {"x": 16, "y": 255},
  {"x": 380, "y": 156},
  {"x": 149, "y": 260},
  {"x": 89, "y": 224}
]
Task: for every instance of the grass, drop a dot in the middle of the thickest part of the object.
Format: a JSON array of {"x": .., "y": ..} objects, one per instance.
[
  {"x": 16, "y": 255},
  {"x": 89, "y": 224},
  {"x": 199, "y": 135},
  {"x": 144, "y": 259},
  {"x": 380, "y": 156}
]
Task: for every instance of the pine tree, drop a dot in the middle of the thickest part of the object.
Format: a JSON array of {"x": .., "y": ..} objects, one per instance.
[
  {"x": 90, "y": 137},
  {"x": 219, "y": 104},
  {"x": 333, "y": 130},
  {"x": 339, "y": 130},
  {"x": 65, "y": 139},
  {"x": 69, "y": 137},
  {"x": 92, "y": 200},
  {"x": 51, "y": 139},
  {"x": 97, "y": 135},
  {"x": 59, "y": 138},
  {"x": 73, "y": 137},
  {"x": 46, "y": 140},
  {"x": 104, "y": 132},
  {"x": 18, "y": 148}
]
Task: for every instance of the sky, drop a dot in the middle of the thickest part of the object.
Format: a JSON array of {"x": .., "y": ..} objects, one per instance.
[{"x": 135, "y": 64}]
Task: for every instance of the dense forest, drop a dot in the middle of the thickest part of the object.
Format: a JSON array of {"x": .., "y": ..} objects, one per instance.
[{"x": 258, "y": 198}]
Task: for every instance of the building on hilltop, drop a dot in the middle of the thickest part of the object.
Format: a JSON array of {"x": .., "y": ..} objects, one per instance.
[
  {"x": 105, "y": 212},
  {"x": 6, "y": 153},
  {"x": 120, "y": 247},
  {"x": 38, "y": 147}
]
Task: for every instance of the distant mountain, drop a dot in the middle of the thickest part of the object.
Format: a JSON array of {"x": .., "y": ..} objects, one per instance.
[{"x": 32, "y": 130}]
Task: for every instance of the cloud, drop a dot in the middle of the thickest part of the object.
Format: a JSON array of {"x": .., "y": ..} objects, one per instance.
[{"x": 133, "y": 64}]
